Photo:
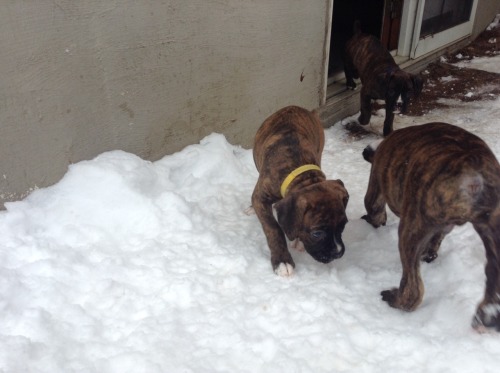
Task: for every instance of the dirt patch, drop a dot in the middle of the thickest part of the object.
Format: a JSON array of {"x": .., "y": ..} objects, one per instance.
[
  {"x": 486, "y": 44},
  {"x": 356, "y": 131},
  {"x": 446, "y": 81}
]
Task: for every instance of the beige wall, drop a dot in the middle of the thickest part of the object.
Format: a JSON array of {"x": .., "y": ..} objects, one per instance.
[
  {"x": 148, "y": 77},
  {"x": 485, "y": 13}
]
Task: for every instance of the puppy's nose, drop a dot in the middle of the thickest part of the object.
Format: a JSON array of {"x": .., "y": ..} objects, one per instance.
[{"x": 324, "y": 259}]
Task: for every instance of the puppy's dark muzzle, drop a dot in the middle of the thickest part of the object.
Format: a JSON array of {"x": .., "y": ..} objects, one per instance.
[
  {"x": 337, "y": 252},
  {"x": 324, "y": 259}
]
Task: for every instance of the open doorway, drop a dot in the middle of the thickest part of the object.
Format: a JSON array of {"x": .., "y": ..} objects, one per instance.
[{"x": 381, "y": 18}]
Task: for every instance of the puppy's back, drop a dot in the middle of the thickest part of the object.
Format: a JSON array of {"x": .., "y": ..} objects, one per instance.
[
  {"x": 285, "y": 129},
  {"x": 457, "y": 165},
  {"x": 432, "y": 142},
  {"x": 368, "y": 54}
]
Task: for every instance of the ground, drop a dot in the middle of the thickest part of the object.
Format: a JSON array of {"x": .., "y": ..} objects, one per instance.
[{"x": 445, "y": 80}]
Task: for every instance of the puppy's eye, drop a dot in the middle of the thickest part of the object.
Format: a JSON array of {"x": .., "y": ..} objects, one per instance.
[{"x": 318, "y": 235}]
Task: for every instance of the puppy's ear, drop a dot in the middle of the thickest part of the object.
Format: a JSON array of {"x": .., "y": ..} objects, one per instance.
[
  {"x": 418, "y": 84},
  {"x": 344, "y": 193},
  {"x": 290, "y": 211},
  {"x": 345, "y": 196},
  {"x": 339, "y": 188},
  {"x": 345, "y": 199}
]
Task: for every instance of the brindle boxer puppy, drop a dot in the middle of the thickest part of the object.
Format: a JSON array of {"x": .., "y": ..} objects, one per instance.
[
  {"x": 287, "y": 153},
  {"x": 381, "y": 78},
  {"x": 433, "y": 177}
]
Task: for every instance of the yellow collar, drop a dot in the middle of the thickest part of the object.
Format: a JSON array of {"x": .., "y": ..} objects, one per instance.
[{"x": 292, "y": 175}]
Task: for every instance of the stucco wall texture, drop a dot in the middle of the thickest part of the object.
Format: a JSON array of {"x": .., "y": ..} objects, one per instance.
[
  {"x": 78, "y": 78},
  {"x": 149, "y": 77}
]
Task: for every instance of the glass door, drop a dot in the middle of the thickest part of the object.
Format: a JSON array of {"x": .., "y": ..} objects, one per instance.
[{"x": 440, "y": 22}]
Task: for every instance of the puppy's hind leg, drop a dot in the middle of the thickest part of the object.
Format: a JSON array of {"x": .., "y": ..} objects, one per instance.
[
  {"x": 350, "y": 73},
  {"x": 375, "y": 203},
  {"x": 390, "y": 106},
  {"x": 412, "y": 242},
  {"x": 487, "y": 315},
  {"x": 431, "y": 253},
  {"x": 405, "y": 100}
]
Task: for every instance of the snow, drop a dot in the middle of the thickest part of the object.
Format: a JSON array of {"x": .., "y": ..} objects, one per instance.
[
  {"x": 482, "y": 63},
  {"x": 447, "y": 79},
  {"x": 494, "y": 23},
  {"x": 127, "y": 265}
]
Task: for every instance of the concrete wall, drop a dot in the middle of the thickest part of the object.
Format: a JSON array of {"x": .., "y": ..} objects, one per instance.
[
  {"x": 485, "y": 13},
  {"x": 147, "y": 77}
]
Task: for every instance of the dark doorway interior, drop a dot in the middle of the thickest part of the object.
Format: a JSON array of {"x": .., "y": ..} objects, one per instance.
[
  {"x": 345, "y": 12},
  {"x": 392, "y": 23}
]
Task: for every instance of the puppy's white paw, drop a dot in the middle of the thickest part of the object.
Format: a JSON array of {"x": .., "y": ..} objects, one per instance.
[
  {"x": 250, "y": 211},
  {"x": 284, "y": 270},
  {"x": 297, "y": 245}
]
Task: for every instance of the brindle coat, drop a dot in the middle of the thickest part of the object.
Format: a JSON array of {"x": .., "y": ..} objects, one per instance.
[
  {"x": 313, "y": 209},
  {"x": 366, "y": 58},
  {"x": 435, "y": 176}
]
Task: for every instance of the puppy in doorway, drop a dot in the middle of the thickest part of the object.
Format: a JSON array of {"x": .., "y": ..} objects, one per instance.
[{"x": 381, "y": 78}]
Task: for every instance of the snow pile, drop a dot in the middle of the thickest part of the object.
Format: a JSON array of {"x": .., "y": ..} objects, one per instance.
[{"x": 131, "y": 266}]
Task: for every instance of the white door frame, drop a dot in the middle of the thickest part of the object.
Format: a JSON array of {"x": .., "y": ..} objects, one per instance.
[{"x": 412, "y": 46}]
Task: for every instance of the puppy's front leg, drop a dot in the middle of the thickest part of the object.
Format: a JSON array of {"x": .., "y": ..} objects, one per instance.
[
  {"x": 390, "y": 106},
  {"x": 488, "y": 311},
  {"x": 350, "y": 74},
  {"x": 405, "y": 101},
  {"x": 281, "y": 259},
  {"x": 366, "y": 107}
]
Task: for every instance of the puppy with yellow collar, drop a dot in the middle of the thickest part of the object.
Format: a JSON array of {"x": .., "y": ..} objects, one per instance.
[{"x": 287, "y": 152}]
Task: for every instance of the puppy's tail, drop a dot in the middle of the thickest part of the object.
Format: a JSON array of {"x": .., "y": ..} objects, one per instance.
[
  {"x": 369, "y": 151},
  {"x": 357, "y": 27}
]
